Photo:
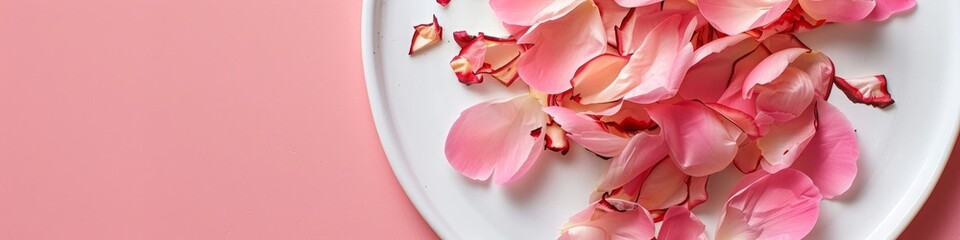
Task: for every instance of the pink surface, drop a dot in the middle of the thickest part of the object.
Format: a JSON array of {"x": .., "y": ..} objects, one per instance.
[{"x": 207, "y": 119}]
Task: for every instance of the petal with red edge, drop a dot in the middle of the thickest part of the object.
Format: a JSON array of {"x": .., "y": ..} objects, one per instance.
[
  {"x": 838, "y": 10},
  {"x": 641, "y": 153},
  {"x": 680, "y": 224},
  {"x": 784, "y": 205},
  {"x": 737, "y": 16},
  {"x": 425, "y": 35},
  {"x": 497, "y": 57},
  {"x": 701, "y": 141},
  {"x": 551, "y": 63},
  {"x": 501, "y": 137},
  {"x": 613, "y": 220},
  {"x": 743, "y": 120},
  {"x": 869, "y": 90},
  {"x": 830, "y": 159},
  {"x": 443, "y": 2},
  {"x": 886, "y": 8},
  {"x": 588, "y": 132}
]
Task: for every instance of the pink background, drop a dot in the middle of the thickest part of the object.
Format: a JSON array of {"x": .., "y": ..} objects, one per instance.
[{"x": 206, "y": 119}]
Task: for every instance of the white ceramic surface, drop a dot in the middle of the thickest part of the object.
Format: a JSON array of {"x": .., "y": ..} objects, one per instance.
[{"x": 416, "y": 99}]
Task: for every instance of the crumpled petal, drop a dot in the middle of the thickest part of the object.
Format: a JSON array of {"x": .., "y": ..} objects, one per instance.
[
  {"x": 501, "y": 137},
  {"x": 870, "y": 90},
  {"x": 680, "y": 224},
  {"x": 783, "y": 205},
  {"x": 830, "y": 159},
  {"x": 609, "y": 219},
  {"x": 641, "y": 153},
  {"x": 588, "y": 132},
  {"x": 770, "y": 68},
  {"x": 838, "y": 10},
  {"x": 737, "y": 16},
  {"x": 425, "y": 35},
  {"x": 497, "y": 57},
  {"x": 701, "y": 141},
  {"x": 886, "y": 8},
  {"x": 550, "y": 64},
  {"x": 714, "y": 67}
]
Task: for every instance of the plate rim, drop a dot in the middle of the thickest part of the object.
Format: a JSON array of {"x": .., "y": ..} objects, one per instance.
[{"x": 890, "y": 228}]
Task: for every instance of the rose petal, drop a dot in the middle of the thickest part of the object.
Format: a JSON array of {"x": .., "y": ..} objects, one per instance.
[
  {"x": 636, "y": 3},
  {"x": 748, "y": 157},
  {"x": 588, "y": 132},
  {"x": 425, "y": 35},
  {"x": 641, "y": 153},
  {"x": 886, "y": 8},
  {"x": 783, "y": 99},
  {"x": 737, "y": 16},
  {"x": 530, "y": 12},
  {"x": 497, "y": 57},
  {"x": 501, "y": 137},
  {"x": 551, "y": 63},
  {"x": 701, "y": 142},
  {"x": 613, "y": 220},
  {"x": 680, "y": 224},
  {"x": 697, "y": 191},
  {"x": 443, "y": 2},
  {"x": 785, "y": 141},
  {"x": 838, "y": 10},
  {"x": 870, "y": 90},
  {"x": 596, "y": 75},
  {"x": 784, "y": 205},
  {"x": 663, "y": 187},
  {"x": 830, "y": 159},
  {"x": 770, "y": 68},
  {"x": 820, "y": 69}
]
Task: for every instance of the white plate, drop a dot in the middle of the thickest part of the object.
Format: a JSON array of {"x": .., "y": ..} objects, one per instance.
[{"x": 416, "y": 99}]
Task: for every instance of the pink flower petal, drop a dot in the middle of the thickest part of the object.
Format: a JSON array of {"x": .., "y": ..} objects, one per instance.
[
  {"x": 785, "y": 141},
  {"x": 425, "y": 35},
  {"x": 612, "y": 220},
  {"x": 697, "y": 191},
  {"x": 596, "y": 75},
  {"x": 709, "y": 77},
  {"x": 870, "y": 90},
  {"x": 838, "y": 10},
  {"x": 636, "y": 3},
  {"x": 748, "y": 157},
  {"x": 732, "y": 96},
  {"x": 701, "y": 141},
  {"x": 831, "y": 157},
  {"x": 665, "y": 186},
  {"x": 680, "y": 224},
  {"x": 886, "y": 8},
  {"x": 613, "y": 15},
  {"x": 483, "y": 54},
  {"x": 588, "y": 132},
  {"x": 784, "y": 205},
  {"x": 551, "y": 63},
  {"x": 501, "y": 137},
  {"x": 770, "y": 68},
  {"x": 737, "y": 16},
  {"x": 443, "y": 2},
  {"x": 641, "y": 153},
  {"x": 820, "y": 69},
  {"x": 783, "y": 99},
  {"x": 530, "y": 12}
]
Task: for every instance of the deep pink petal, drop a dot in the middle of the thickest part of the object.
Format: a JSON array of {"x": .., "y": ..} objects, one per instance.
[
  {"x": 886, "y": 8},
  {"x": 551, "y": 63},
  {"x": 500, "y": 137},
  {"x": 838, "y": 10},
  {"x": 641, "y": 153},
  {"x": 831, "y": 157},
  {"x": 443, "y": 2},
  {"x": 784, "y": 205},
  {"x": 701, "y": 141},
  {"x": 870, "y": 90},
  {"x": 748, "y": 157},
  {"x": 588, "y": 132},
  {"x": 697, "y": 191},
  {"x": 737, "y": 16},
  {"x": 680, "y": 224}
]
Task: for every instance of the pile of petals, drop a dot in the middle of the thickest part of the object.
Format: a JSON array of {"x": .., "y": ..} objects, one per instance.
[{"x": 669, "y": 92}]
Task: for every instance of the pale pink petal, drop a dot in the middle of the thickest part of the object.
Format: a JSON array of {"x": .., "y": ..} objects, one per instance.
[
  {"x": 714, "y": 65},
  {"x": 613, "y": 15},
  {"x": 680, "y": 224},
  {"x": 663, "y": 187},
  {"x": 783, "y": 99},
  {"x": 530, "y": 12},
  {"x": 556, "y": 139},
  {"x": 701, "y": 141},
  {"x": 743, "y": 120},
  {"x": 612, "y": 220},
  {"x": 784, "y": 205},
  {"x": 886, "y": 8},
  {"x": 732, "y": 96},
  {"x": 425, "y": 35},
  {"x": 551, "y": 63},
  {"x": 641, "y": 153},
  {"x": 770, "y": 68},
  {"x": 588, "y": 132},
  {"x": 870, "y": 90},
  {"x": 820, "y": 69},
  {"x": 785, "y": 141},
  {"x": 500, "y": 137},
  {"x": 737, "y": 16},
  {"x": 596, "y": 75},
  {"x": 831, "y": 157},
  {"x": 721, "y": 44},
  {"x": 838, "y": 10},
  {"x": 637, "y": 25}
]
